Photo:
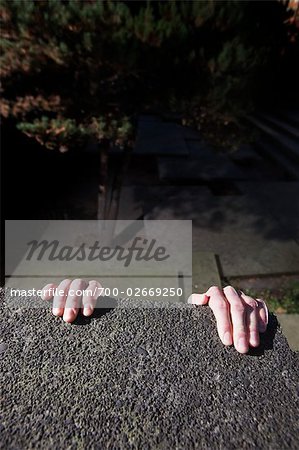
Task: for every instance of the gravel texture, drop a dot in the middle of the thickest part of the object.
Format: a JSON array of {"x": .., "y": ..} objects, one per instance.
[{"x": 146, "y": 378}]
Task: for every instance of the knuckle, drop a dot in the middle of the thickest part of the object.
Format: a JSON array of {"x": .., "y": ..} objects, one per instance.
[
  {"x": 215, "y": 290},
  {"x": 94, "y": 283},
  {"x": 64, "y": 284},
  {"x": 217, "y": 304},
  {"x": 81, "y": 280},
  {"x": 78, "y": 283},
  {"x": 222, "y": 305},
  {"x": 238, "y": 307},
  {"x": 229, "y": 290},
  {"x": 252, "y": 303}
]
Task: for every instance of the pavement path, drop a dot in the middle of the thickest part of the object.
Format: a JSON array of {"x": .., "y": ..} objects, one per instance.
[
  {"x": 142, "y": 376},
  {"x": 244, "y": 208}
]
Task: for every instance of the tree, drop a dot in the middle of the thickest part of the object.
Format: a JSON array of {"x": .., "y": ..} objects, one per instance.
[{"x": 78, "y": 70}]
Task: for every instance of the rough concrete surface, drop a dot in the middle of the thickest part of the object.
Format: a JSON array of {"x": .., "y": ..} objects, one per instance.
[{"x": 155, "y": 377}]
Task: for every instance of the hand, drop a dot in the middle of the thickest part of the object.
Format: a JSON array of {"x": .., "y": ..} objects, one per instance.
[
  {"x": 71, "y": 296},
  {"x": 239, "y": 318}
]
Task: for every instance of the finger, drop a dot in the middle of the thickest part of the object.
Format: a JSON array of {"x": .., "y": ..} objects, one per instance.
[
  {"x": 263, "y": 315},
  {"x": 73, "y": 300},
  {"x": 220, "y": 308},
  {"x": 238, "y": 317},
  {"x": 252, "y": 320},
  {"x": 60, "y": 297},
  {"x": 48, "y": 291},
  {"x": 198, "y": 299},
  {"x": 92, "y": 292}
]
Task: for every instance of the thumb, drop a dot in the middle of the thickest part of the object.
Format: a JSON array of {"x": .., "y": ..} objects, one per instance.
[{"x": 198, "y": 299}]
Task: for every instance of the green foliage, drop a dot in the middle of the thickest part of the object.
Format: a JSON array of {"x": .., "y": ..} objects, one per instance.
[
  {"x": 61, "y": 133},
  {"x": 286, "y": 300},
  {"x": 105, "y": 61}
]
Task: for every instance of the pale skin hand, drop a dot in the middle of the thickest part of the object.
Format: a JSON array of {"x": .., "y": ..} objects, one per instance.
[
  {"x": 66, "y": 303},
  {"x": 239, "y": 318}
]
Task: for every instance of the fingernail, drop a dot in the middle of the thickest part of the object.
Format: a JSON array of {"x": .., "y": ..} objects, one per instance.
[
  {"x": 264, "y": 312},
  {"x": 190, "y": 299},
  {"x": 232, "y": 288},
  {"x": 254, "y": 339},
  {"x": 56, "y": 311},
  {"x": 227, "y": 338},
  {"x": 87, "y": 311},
  {"x": 197, "y": 299},
  {"x": 69, "y": 314},
  {"x": 242, "y": 345}
]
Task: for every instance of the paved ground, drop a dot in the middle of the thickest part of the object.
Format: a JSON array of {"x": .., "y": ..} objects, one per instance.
[
  {"x": 142, "y": 378},
  {"x": 289, "y": 325},
  {"x": 251, "y": 233},
  {"x": 243, "y": 206}
]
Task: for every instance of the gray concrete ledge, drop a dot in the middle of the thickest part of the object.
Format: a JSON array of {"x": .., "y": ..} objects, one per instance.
[{"x": 150, "y": 378}]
